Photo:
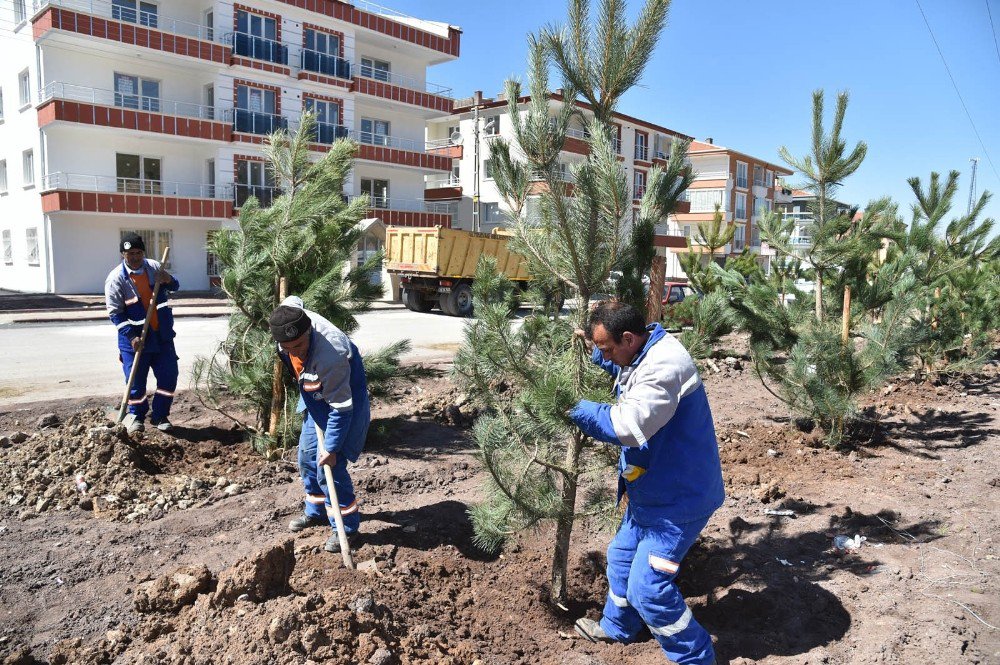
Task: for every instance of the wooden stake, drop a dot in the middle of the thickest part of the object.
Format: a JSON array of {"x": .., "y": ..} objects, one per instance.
[
  {"x": 277, "y": 384},
  {"x": 847, "y": 315},
  {"x": 654, "y": 299}
]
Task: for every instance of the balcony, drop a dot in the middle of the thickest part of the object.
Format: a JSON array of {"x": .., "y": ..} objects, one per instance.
[
  {"x": 382, "y": 148},
  {"x": 258, "y": 48},
  {"x": 445, "y": 148},
  {"x": 257, "y": 122},
  {"x": 408, "y": 212},
  {"x": 76, "y": 192},
  {"x": 402, "y": 81},
  {"x": 327, "y": 133},
  {"x": 642, "y": 153},
  {"x": 265, "y": 194},
  {"x": 67, "y": 102},
  {"x": 107, "y": 20},
  {"x": 325, "y": 64}
]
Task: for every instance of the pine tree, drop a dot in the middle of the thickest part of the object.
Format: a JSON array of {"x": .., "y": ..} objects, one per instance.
[
  {"x": 302, "y": 244},
  {"x": 712, "y": 236},
  {"x": 531, "y": 375}
]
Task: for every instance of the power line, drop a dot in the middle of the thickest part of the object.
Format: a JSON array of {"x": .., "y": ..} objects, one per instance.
[
  {"x": 957, "y": 91},
  {"x": 993, "y": 27}
]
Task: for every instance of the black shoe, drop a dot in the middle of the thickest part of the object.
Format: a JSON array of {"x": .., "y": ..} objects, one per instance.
[
  {"x": 333, "y": 543},
  {"x": 303, "y": 522},
  {"x": 162, "y": 425},
  {"x": 591, "y": 630}
]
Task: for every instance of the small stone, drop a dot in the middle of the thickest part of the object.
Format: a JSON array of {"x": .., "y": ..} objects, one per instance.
[
  {"x": 47, "y": 420},
  {"x": 370, "y": 566},
  {"x": 42, "y": 504},
  {"x": 382, "y": 656},
  {"x": 18, "y": 437},
  {"x": 221, "y": 482},
  {"x": 5, "y": 442},
  {"x": 233, "y": 490}
]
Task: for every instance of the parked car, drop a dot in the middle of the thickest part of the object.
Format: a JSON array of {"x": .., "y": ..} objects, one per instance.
[{"x": 674, "y": 313}]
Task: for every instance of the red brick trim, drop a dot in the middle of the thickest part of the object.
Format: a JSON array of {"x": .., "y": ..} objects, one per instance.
[
  {"x": 55, "y": 18},
  {"x": 449, "y": 151},
  {"x": 339, "y": 101},
  {"x": 328, "y": 31},
  {"x": 383, "y": 154},
  {"x": 374, "y": 88},
  {"x": 406, "y": 218},
  {"x": 346, "y": 12},
  {"x": 442, "y": 193},
  {"x": 575, "y": 145},
  {"x": 326, "y": 80},
  {"x": 271, "y": 67},
  {"x": 674, "y": 242},
  {"x": 260, "y": 86},
  {"x": 257, "y": 139},
  {"x": 142, "y": 121},
  {"x": 135, "y": 204}
]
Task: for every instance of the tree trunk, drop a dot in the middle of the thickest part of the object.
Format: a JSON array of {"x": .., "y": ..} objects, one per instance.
[
  {"x": 277, "y": 384},
  {"x": 564, "y": 525},
  {"x": 654, "y": 299},
  {"x": 819, "y": 295},
  {"x": 845, "y": 329}
]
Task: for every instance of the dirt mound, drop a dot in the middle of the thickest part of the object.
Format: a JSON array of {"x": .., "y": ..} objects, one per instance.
[
  {"x": 173, "y": 591},
  {"x": 257, "y": 578},
  {"x": 79, "y": 463}
]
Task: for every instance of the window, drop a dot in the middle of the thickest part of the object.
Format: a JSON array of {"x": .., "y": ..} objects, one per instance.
[
  {"x": 209, "y": 191},
  {"x": 126, "y": 10},
  {"x": 760, "y": 206},
  {"x": 257, "y": 37},
  {"x": 758, "y": 176},
  {"x": 704, "y": 200},
  {"x": 492, "y": 126},
  {"x": 769, "y": 178},
  {"x": 368, "y": 248},
  {"x": 1, "y": 104},
  {"x": 8, "y": 248},
  {"x": 210, "y": 25},
  {"x": 31, "y": 239},
  {"x": 454, "y": 133},
  {"x": 155, "y": 240},
  {"x": 322, "y": 53},
  {"x": 639, "y": 184},
  {"x": 487, "y": 169},
  {"x": 377, "y": 191},
  {"x": 741, "y": 206},
  {"x": 375, "y": 132},
  {"x": 739, "y": 238},
  {"x": 641, "y": 145},
  {"x": 28, "y": 167},
  {"x": 328, "y": 127},
  {"x": 134, "y": 92},
  {"x": 257, "y": 110},
  {"x": 24, "y": 88},
  {"x": 491, "y": 213},
  {"x": 20, "y": 12},
  {"x": 213, "y": 267},
  {"x": 3, "y": 176},
  {"x": 686, "y": 230},
  {"x": 254, "y": 178},
  {"x": 741, "y": 175},
  {"x": 322, "y": 42},
  {"x": 138, "y": 175},
  {"x": 375, "y": 69},
  {"x": 456, "y": 168}
]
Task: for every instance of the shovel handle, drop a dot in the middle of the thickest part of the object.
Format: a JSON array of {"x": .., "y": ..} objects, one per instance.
[
  {"x": 142, "y": 339},
  {"x": 338, "y": 518}
]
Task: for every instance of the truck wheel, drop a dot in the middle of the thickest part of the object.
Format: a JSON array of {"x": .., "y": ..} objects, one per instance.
[
  {"x": 460, "y": 301},
  {"x": 415, "y": 301}
]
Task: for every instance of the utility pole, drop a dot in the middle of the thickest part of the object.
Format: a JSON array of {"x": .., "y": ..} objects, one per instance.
[
  {"x": 477, "y": 100},
  {"x": 972, "y": 186}
]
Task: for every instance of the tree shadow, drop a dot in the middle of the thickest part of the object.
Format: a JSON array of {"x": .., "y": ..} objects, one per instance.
[
  {"x": 428, "y": 527},
  {"x": 224, "y": 435},
  {"x": 414, "y": 439},
  {"x": 933, "y": 431}
]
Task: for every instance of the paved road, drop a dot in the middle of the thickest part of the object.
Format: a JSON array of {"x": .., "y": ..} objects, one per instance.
[{"x": 56, "y": 361}]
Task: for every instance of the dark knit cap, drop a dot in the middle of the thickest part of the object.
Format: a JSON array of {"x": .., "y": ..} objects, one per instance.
[
  {"x": 288, "y": 323},
  {"x": 131, "y": 241}
]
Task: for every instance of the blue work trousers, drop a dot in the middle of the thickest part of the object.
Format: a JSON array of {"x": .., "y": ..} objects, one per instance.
[
  {"x": 643, "y": 562},
  {"x": 317, "y": 501},
  {"x": 163, "y": 362}
]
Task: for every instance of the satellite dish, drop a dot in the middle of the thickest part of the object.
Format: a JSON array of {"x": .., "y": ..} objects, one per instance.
[{"x": 456, "y": 137}]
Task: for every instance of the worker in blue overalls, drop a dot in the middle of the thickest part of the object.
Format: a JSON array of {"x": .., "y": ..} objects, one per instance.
[
  {"x": 333, "y": 393},
  {"x": 668, "y": 472}
]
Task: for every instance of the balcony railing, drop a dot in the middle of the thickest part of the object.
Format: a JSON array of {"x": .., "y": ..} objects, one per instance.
[
  {"x": 153, "y": 20},
  {"x": 328, "y": 133},
  {"x": 324, "y": 63},
  {"x": 403, "y": 81},
  {"x": 256, "y": 122},
  {"x": 438, "y": 144},
  {"x": 581, "y": 134},
  {"x": 406, "y": 205},
  {"x": 258, "y": 48},
  {"x": 642, "y": 152},
  {"x": 564, "y": 175},
  {"x": 102, "y": 97},
  {"x": 115, "y": 184},
  {"x": 371, "y": 138},
  {"x": 711, "y": 175},
  {"x": 265, "y": 194},
  {"x": 440, "y": 181}
]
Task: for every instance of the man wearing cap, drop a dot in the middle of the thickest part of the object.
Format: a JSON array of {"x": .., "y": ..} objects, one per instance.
[
  {"x": 333, "y": 393},
  {"x": 127, "y": 292}
]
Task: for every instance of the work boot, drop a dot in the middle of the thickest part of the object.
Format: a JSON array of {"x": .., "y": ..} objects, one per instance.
[
  {"x": 591, "y": 630},
  {"x": 303, "y": 522},
  {"x": 135, "y": 426},
  {"x": 333, "y": 543},
  {"x": 163, "y": 425}
]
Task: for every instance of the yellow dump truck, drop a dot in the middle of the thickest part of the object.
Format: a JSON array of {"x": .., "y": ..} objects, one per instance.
[{"x": 436, "y": 265}]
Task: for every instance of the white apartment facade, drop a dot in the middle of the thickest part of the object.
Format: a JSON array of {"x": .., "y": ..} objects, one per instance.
[
  {"x": 744, "y": 187},
  {"x": 640, "y": 144},
  {"x": 798, "y": 207},
  {"x": 126, "y": 115}
]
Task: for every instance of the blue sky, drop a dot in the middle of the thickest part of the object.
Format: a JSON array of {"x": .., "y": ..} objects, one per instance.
[{"x": 743, "y": 73}]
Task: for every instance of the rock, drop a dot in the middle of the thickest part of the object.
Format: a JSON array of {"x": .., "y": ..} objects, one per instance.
[
  {"x": 370, "y": 566},
  {"x": 261, "y": 576},
  {"x": 42, "y": 504},
  {"x": 47, "y": 420},
  {"x": 382, "y": 656},
  {"x": 5, "y": 442},
  {"x": 233, "y": 490},
  {"x": 174, "y": 590},
  {"x": 18, "y": 437}
]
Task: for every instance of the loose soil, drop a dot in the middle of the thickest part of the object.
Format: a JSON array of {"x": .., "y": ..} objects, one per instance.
[{"x": 178, "y": 551}]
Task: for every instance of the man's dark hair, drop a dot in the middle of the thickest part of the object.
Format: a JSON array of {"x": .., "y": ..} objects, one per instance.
[{"x": 617, "y": 318}]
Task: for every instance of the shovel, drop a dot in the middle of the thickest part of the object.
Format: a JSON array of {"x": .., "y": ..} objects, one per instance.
[
  {"x": 119, "y": 417},
  {"x": 338, "y": 518}
]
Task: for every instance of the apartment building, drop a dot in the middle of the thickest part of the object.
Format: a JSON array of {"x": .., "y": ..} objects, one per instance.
[
  {"x": 640, "y": 144},
  {"x": 128, "y": 115},
  {"x": 743, "y": 186}
]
